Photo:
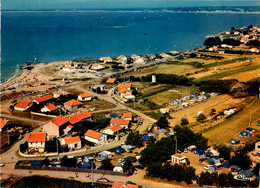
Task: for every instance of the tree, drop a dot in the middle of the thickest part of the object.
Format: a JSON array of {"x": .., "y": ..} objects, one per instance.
[
  {"x": 224, "y": 151},
  {"x": 134, "y": 139},
  {"x": 23, "y": 147},
  {"x": 213, "y": 111},
  {"x": 106, "y": 164},
  {"x": 233, "y": 28},
  {"x": 256, "y": 169},
  {"x": 211, "y": 41},
  {"x": 241, "y": 159},
  {"x": 162, "y": 122},
  {"x": 45, "y": 162},
  {"x": 66, "y": 162},
  {"x": 128, "y": 167},
  {"x": 201, "y": 117},
  {"x": 184, "y": 121}
]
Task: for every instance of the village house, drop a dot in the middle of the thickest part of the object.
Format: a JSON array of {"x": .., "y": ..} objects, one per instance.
[
  {"x": 72, "y": 105},
  {"x": 95, "y": 137},
  {"x": 213, "y": 49},
  {"x": 96, "y": 66},
  {"x": 44, "y": 99},
  {"x": 101, "y": 87},
  {"x": 128, "y": 97},
  {"x": 59, "y": 93},
  {"x": 127, "y": 116},
  {"x": 85, "y": 97},
  {"x": 135, "y": 57},
  {"x": 23, "y": 105},
  {"x": 123, "y": 88},
  {"x": 164, "y": 55},
  {"x": 122, "y": 122},
  {"x": 123, "y": 65},
  {"x": 72, "y": 142},
  {"x": 113, "y": 130},
  {"x": 121, "y": 59},
  {"x": 106, "y": 59},
  {"x": 141, "y": 60},
  {"x": 4, "y": 124},
  {"x": 55, "y": 127},
  {"x": 49, "y": 108},
  {"x": 80, "y": 117},
  {"x": 174, "y": 52},
  {"x": 69, "y": 67},
  {"x": 150, "y": 56},
  {"x": 36, "y": 142},
  {"x": 254, "y": 50},
  {"x": 179, "y": 159},
  {"x": 111, "y": 81}
]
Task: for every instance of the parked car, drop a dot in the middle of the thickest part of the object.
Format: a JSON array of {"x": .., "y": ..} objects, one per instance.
[
  {"x": 103, "y": 180},
  {"x": 207, "y": 167},
  {"x": 2, "y": 165}
]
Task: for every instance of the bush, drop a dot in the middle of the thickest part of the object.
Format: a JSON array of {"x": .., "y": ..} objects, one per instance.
[
  {"x": 201, "y": 117},
  {"x": 184, "y": 121},
  {"x": 107, "y": 165}
]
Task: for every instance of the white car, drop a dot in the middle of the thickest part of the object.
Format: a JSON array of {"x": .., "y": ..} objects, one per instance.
[{"x": 2, "y": 165}]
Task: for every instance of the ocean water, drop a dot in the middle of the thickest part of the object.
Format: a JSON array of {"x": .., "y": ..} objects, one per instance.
[{"x": 52, "y": 36}]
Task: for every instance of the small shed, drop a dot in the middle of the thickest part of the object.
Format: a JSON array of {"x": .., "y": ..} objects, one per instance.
[
  {"x": 118, "y": 169},
  {"x": 105, "y": 155}
]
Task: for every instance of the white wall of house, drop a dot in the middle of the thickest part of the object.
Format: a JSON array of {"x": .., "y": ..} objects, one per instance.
[
  {"x": 44, "y": 109},
  {"x": 40, "y": 146},
  {"x": 74, "y": 145},
  {"x": 84, "y": 98},
  {"x": 20, "y": 109},
  {"x": 100, "y": 140},
  {"x": 108, "y": 131},
  {"x": 139, "y": 61},
  {"x": 51, "y": 129}
]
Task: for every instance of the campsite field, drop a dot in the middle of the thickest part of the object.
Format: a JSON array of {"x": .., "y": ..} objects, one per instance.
[{"x": 229, "y": 129}]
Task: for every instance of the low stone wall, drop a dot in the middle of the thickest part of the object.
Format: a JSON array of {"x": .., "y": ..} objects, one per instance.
[
  {"x": 37, "y": 155},
  {"x": 70, "y": 169}
]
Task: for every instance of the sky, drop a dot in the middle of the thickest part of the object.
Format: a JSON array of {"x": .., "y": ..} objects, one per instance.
[{"x": 63, "y": 4}]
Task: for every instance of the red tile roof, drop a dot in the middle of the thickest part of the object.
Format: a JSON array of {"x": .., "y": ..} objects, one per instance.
[
  {"x": 115, "y": 128},
  {"x": 4, "y": 122},
  {"x": 72, "y": 140},
  {"x": 51, "y": 107},
  {"x": 79, "y": 117},
  {"x": 110, "y": 80},
  {"x": 44, "y": 98},
  {"x": 60, "y": 120},
  {"x": 36, "y": 137},
  {"x": 23, "y": 104},
  {"x": 106, "y": 58},
  {"x": 73, "y": 102},
  {"x": 120, "y": 121},
  {"x": 85, "y": 95},
  {"x": 93, "y": 134},
  {"x": 124, "y": 87},
  {"x": 127, "y": 115},
  {"x": 123, "y": 185}
]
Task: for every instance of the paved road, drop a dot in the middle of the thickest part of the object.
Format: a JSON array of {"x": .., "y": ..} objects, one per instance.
[{"x": 8, "y": 116}]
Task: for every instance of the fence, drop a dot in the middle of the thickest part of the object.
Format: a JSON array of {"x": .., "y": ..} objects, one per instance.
[{"x": 70, "y": 169}]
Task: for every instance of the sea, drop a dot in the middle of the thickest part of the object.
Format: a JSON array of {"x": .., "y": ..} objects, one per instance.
[{"x": 76, "y": 35}]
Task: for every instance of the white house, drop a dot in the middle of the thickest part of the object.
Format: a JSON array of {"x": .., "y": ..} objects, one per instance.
[
  {"x": 135, "y": 57},
  {"x": 112, "y": 130},
  {"x": 106, "y": 59},
  {"x": 96, "y": 66},
  {"x": 55, "y": 127},
  {"x": 164, "y": 55},
  {"x": 254, "y": 50},
  {"x": 36, "y": 142},
  {"x": 84, "y": 97},
  {"x": 44, "y": 99},
  {"x": 69, "y": 67},
  {"x": 49, "y": 108},
  {"x": 95, "y": 137},
  {"x": 127, "y": 116},
  {"x": 22, "y": 106},
  {"x": 179, "y": 159},
  {"x": 128, "y": 97},
  {"x": 121, "y": 59},
  {"x": 141, "y": 60},
  {"x": 122, "y": 122},
  {"x": 72, "y": 142}
]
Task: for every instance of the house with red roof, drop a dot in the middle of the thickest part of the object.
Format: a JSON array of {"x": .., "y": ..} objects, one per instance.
[
  {"x": 49, "y": 108},
  {"x": 80, "y": 117},
  {"x": 123, "y": 185},
  {"x": 85, "y": 97},
  {"x": 121, "y": 59},
  {"x": 72, "y": 142},
  {"x": 127, "y": 116},
  {"x": 44, "y": 99},
  {"x": 36, "y": 142},
  {"x": 23, "y": 105},
  {"x": 4, "y": 124},
  {"x": 72, "y": 105},
  {"x": 113, "y": 130},
  {"x": 111, "y": 81},
  {"x": 254, "y": 50},
  {"x": 122, "y": 122},
  {"x": 96, "y": 66},
  {"x": 55, "y": 127},
  {"x": 106, "y": 59},
  {"x": 95, "y": 137}
]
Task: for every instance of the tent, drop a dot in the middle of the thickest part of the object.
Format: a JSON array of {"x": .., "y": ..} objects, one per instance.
[
  {"x": 199, "y": 151},
  {"x": 216, "y": 161},
  {"x": 203, "y": 156},
  {"x": 245, "y": 134},
  {"x": 247, "y": 173},
  {"x": 226, "y": 164},
  {"x": 235, "y": 168},
  {"x": 138, "y": 165},
  {"x": 133, "y": 159},
  {"x": 118, "y": 150},
  {"x": 162, "y": 131},
  {"x": 209, "y": 154},
  {"x": 145, "y": 138},
  {"x": 234, "y": 142},
  {"x": 249, "y": 129},
  {"x": 86, "y": 165},
  {"x": 212, "y": 168},
  {"x": 210, "y": 161},
  {"x": 155, "y": 135}
]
